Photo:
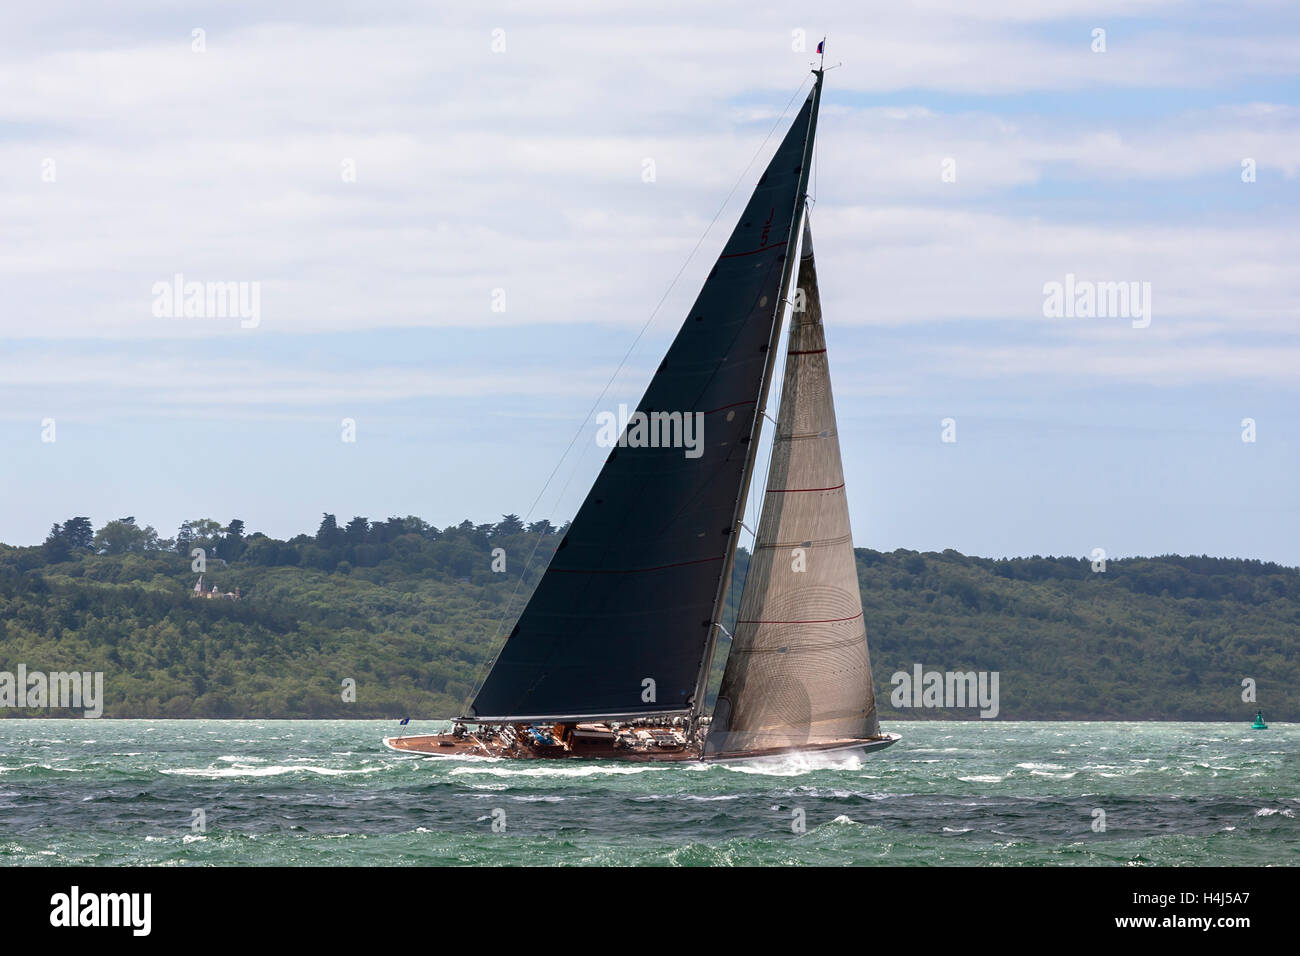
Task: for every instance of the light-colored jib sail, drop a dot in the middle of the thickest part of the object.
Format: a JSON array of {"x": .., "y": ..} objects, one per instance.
[{"x": 798, "y": 672}]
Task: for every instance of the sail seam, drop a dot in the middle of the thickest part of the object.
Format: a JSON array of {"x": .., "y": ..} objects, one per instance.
[
  {"x": 794, "y": 651},
  {"x": 807, "y": 436},
  {"x": 829, "y": 620},
  {"x": 805, "y": 543}
]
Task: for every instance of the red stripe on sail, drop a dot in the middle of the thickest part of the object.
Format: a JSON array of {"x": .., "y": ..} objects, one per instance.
[{"x": 790, "y": 491}]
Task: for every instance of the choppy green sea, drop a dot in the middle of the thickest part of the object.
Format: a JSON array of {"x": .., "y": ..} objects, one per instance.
[{"x": 326, "y": 792}]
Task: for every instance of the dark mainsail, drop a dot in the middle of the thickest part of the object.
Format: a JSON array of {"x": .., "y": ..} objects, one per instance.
[
  {"x": 798, "y": 672},
  {"x": 621, "y": 621}
]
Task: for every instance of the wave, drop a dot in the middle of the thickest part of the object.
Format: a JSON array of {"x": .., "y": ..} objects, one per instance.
[
  {"x": 576, "y": 772},
  {"x": 652, "y": 797},
  {"x": 704, "y": 799},
  {"x": 793, "y": 765},
  {"x": 273, "y": 771}
]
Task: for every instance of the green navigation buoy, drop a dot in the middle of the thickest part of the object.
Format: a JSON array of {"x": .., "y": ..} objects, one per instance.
[{"x": 1259, "y": 721}]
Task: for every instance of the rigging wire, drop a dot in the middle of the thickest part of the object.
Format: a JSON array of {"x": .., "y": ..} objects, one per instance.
[{"x": 483, "y": 670}]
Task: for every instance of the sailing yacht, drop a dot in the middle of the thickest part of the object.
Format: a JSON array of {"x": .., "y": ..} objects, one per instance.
[{"x": 611, "y": 657}]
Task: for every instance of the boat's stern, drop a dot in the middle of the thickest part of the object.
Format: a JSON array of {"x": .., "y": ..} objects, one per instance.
[{"x": 834, "y": 748}]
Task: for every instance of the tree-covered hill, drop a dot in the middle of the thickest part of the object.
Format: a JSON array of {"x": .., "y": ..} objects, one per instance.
[
  {"x": 1166, "y": 638},
  {"x": 410, "y": 612}
]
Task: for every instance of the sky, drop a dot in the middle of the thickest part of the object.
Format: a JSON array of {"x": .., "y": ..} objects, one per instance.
[{"x": 464, "y": 223}]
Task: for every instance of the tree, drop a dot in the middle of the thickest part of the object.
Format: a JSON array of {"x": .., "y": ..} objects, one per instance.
[
  {"x": 328, "y": 535},
  {"x": 356, "y": 531},
  {"x": 185, "y": 538},
  {"x": 79, "y": 533},
  {"x": 508, "y": 525},
  {"x": 203, "y": 533},
  {"x": 395, "y": 527},
  {"x": 542, "y": 527},
  {"x": 233, "y": 543},
  {"x": 56, "y": 545},
  {"x": 125, "y": 537}
]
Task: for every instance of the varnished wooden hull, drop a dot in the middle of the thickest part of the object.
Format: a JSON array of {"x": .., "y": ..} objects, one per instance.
[{"x": 445, "y": 745}]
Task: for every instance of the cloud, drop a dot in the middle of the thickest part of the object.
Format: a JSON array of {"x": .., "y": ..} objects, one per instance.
[
  {"x": 522, "y": 171},
  {"x": 153, "y": 385},
  {"x": 1136, "y": 362},
  {"x": 908, "y": 264}
]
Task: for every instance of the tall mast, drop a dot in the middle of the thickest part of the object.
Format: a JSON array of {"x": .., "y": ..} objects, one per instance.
[{"x": 791, "y": 268}]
